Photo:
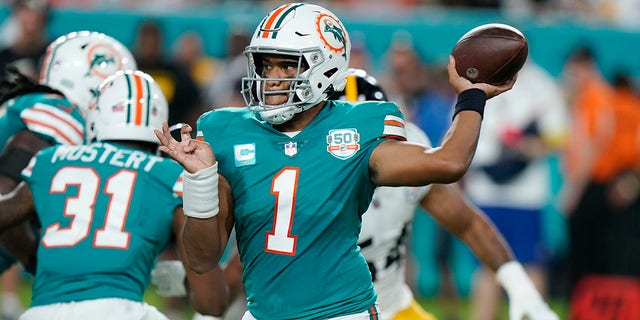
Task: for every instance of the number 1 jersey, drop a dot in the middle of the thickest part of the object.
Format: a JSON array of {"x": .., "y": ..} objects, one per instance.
[{"x": 298, "y": 202}]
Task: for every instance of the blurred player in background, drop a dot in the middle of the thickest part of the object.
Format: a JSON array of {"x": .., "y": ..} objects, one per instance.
[
  {"x": 107, "y": 210},
  {"x": 36, "y": 115},
  {"x": 510, "y": 176},
  {"x": 386, "y": 224}
]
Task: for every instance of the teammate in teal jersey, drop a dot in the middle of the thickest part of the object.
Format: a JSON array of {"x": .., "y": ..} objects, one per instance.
[
  {"x": 37, "y": 115},
  {"x": 107, "y": 210},
  {"x": 298, "y": 170}
]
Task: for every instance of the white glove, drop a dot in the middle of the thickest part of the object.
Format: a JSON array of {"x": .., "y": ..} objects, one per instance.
[
  {"x": 168, "y": 277},
  {"x": 524, "y": 298}
]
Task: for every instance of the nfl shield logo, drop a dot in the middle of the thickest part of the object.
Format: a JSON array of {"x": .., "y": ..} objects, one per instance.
[{"x": 291, "y": 148}]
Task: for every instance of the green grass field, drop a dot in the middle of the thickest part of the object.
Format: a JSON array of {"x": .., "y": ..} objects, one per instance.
[{"x": 443, "y": 309}]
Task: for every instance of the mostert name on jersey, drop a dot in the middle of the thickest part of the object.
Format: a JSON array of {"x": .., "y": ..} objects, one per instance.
[{"x": 106, "y": 154}]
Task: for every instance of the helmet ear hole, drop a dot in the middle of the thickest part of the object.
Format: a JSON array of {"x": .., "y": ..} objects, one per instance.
[{"x": 329, "y": 73}]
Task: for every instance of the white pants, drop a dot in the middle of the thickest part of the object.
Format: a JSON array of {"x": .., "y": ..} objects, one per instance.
[
  {"x": 98, "y": 309},
  {"x": 358, "y": 316}
]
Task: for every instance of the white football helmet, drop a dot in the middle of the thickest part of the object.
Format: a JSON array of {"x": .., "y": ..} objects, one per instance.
[
  {"x": 129, "y": 105},
  {"x": 77, "y": 62},
  {"x": 320, "y": 42}
]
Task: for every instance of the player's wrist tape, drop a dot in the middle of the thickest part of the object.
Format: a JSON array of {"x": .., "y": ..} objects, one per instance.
[
  {"x": 515, "y": 280},
  {"x": 200, "y": 199},
  {"x": 472, "y": 99}
]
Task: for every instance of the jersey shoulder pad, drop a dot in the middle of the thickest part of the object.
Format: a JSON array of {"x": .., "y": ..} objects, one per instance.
[
  {"x": 220, "y": 120},
  {"x": 385, "y": 117},
  {"x": 51, "y": 116}
]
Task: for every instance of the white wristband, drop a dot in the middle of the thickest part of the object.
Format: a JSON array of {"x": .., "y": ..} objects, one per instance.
[
  {"x": 200, "y": 199},
  {"x": 515, "y": 280}
]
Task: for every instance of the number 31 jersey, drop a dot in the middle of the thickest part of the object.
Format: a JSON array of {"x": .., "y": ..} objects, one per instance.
[
  {"x": 106, "y": 212},
  {"x": 298, "y": 202}
]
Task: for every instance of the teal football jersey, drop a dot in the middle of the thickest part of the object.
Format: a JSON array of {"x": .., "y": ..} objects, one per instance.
[
  {"x": 298, "y": 204},
  {"x": 106, "y": 212},
  {"x": 50, "y": 116}
]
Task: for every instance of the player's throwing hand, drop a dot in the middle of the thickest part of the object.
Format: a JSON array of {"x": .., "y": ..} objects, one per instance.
[
  {"x": 460, "y": 83},
  {"x": 193, "y": 155}
]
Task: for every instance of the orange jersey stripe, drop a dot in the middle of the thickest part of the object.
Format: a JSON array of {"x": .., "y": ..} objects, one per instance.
[
  {"x": 394, "y": 123},
  {"x": 71, "y": 125},
  {"x": 42, "y": 124},
  {"x": 374, "y": 314}
]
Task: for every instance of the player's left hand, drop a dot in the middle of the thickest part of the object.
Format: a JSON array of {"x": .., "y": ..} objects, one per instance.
[
  {"x": 169, "y": 277},
  {"x": 525, "y": 301},
  {"x": 192, "y": 154}
]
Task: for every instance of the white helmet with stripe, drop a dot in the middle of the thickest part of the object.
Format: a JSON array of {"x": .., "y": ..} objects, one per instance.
[
  {"x": 77, "y": 62},
  {"x": 129, "y": 105},
  {"x": 320, "y": 42}
]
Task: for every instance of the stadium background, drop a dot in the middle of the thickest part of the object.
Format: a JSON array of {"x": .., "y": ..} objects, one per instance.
[{"x": 434, "y": 31}]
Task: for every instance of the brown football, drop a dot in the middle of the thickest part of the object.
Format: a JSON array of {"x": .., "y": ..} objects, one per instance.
[{"x": 491, "y": 53}]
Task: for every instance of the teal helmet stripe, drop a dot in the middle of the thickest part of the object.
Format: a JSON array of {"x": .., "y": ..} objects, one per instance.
[
  {"x": 261, "y": 29},
  {"x": 147, "y": 86},
  {"x": 129, "y": 97},
  {"x": 50, "y": 63},
  {"x": 281, "y": 19}
]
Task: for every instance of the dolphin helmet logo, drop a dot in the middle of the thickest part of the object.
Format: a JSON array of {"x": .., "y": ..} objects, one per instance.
[
  {"x": 99, "y": 60},
  {"x": 103, "y": 61},
  {"x": 332, "y": 33}
]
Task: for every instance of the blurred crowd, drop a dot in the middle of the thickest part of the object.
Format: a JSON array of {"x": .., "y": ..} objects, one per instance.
[
  {"x": 622, "y": 12},
  {"x": 557, "y": 169}
]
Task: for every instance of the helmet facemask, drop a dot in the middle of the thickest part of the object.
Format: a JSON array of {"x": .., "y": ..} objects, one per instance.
[{"x": 300, "y": 94}]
